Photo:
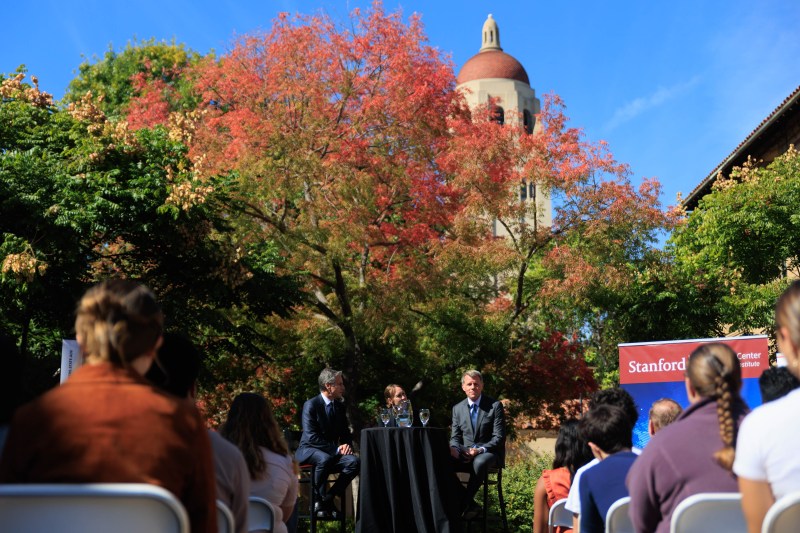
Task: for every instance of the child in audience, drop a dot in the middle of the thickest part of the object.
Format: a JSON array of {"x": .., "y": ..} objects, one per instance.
[
  {"x": 106, "y": 423},
  {"x": 571, "y": 454},
  {"x": 608, "y": 431},
  {"x": 693, "y": 454},
  {"x": 767, "y": 463}
]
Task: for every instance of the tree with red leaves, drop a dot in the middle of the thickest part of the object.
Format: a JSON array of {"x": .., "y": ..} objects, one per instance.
[{"x": 350, "y": 148}]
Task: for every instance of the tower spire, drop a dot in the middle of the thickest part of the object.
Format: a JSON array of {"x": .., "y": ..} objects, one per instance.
[{"x": 491, "y": 35}]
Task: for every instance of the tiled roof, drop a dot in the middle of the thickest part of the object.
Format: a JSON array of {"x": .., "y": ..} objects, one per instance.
[
  {"x": 492, "y": 64},
  {"x": 787, "y": 102}
]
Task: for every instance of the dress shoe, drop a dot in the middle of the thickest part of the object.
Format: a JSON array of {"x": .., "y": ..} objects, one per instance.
[
  {"x": 321, "y": 510},
  {"x": 471, "y": 511}
]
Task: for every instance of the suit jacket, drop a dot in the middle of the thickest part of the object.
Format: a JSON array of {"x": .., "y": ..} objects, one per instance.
[
  {"x": 320, "y": 433},
  {"x": 490, "y": 428}
]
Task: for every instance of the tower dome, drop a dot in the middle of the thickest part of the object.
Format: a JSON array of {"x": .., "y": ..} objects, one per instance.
[{"x": 491, "y": 61}]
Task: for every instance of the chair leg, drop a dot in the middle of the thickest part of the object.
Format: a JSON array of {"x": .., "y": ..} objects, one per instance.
[
  {"x": 312, "y": 500},
  {"x": 502, "y": 501},
  {"x": 485, "y": 500}
]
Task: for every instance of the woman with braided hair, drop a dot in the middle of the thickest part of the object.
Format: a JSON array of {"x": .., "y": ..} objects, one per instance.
[
  {"x": 106, "y": 423},
  {"x": 767, "y": 462},
  {"x": 693, "y": 454}
]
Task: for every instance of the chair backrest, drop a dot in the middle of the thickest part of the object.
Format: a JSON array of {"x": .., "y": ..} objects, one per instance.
[
  {"x": 559, "y": 516},
  {"x": 91, "y": 508},
  {"x": 709, "y": 511},
  {"x": 784, "y": 515},
  {"x": 260, "y": 515},
  {"x": 617, "y": 518},
  {"x": 225, "y": 522}
]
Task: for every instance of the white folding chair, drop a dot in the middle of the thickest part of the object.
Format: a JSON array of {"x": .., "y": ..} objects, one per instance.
[
  {"x": 784, "y": 515},
  {"x": 559, "y": 516},
  {"x": 709, "y": 511},
  {"x": 91, "y": 508},
  {"x": 260, "y": 515},
  {"x": 225, "y": 522},
  {"x": 617, "y": 518}
]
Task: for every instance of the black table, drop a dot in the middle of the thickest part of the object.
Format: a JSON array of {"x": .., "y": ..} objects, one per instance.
[{"x": 407, "y": 483}]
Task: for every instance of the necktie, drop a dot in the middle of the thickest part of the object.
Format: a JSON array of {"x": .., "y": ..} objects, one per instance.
[
  {"x": 473, "y": 414},
  {"x": 329, "y": 411}
]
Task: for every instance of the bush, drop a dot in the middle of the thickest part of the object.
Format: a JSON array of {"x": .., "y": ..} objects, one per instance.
[{"x": 523, "y": 469}]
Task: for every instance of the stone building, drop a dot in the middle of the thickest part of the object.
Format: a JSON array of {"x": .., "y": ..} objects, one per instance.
[{"x": 494, "y": 74}]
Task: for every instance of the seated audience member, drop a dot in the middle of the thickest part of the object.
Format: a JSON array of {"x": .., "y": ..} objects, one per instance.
[
  {"x": 663, "y": 412},
  {"x": 393, "y": 395},
  {"x": 252, "y": 427},
  {"x": 571, "y": 454},
  {"x": 327, "y": 442},
  {"x": 613, "y": 396},
  {"x": 608, "y": 431},
  {"x": 176, "y": 370},
  {"x": 695, "y": 453},
  {"x": 106, "y": 423},
  {"x": 776, "y": 382},
  {"x": 767, "y": 463}
]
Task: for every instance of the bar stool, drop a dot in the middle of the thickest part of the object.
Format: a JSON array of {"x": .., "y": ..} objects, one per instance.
[
  {"x": 307, "y": 477},
  {"x": 498, "y": 481}
]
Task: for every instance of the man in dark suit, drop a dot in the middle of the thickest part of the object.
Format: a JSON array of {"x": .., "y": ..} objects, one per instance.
[
  {"x": 327, "y": 442},
  {"x": 478, "y": 436}
]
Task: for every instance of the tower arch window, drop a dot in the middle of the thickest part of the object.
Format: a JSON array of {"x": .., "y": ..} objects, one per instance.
[
  {"x": 523, "y": 191},
  {"x": 528, "y": 121},
  {"x": 498, "y": 115}
]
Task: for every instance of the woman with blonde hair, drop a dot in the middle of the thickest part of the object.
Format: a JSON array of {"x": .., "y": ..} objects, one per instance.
[
  {"x": 767, "y": 463},
  {"x": 253, "y": 429},
  {"x": 693, "y": 454},
  {"x": 106, "y": 423}
]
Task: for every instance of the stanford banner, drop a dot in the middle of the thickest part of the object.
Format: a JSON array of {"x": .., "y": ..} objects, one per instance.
[{"x": 653, "y": 370}]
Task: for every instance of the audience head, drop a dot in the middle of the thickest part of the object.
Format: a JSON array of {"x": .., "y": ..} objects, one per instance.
[
  {"x": 787, "y": 330},
  {"x": 619, "y": 397},
  {"x": 663, "y": 412},
  {"x": 776, "y": 382},
  {"x": 331, "y": 382},
  {"x": 713, "y": 372},
  {"x": 118, "y": 321},
  {"x": 607, "y": 428},
  {"x": 177, "y": 366},
  {"x": 394, "y": 394},
  {"x": 572, "y": 452},
  {"x": 250, "y": 425}
]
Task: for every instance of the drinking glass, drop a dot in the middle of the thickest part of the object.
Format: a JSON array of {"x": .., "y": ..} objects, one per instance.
[
  {"x": 403, "y": 413},
  {"x": 385, "y": 414},
  {"x": 424, "y": 416}
]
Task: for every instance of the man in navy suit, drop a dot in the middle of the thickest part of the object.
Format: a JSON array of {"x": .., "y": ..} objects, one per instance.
[
  {"x": 478, "y": 435},
  {"x": 327, "y": 442}
]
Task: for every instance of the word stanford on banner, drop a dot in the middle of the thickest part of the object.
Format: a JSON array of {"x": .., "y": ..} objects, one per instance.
[{"x": 659, "y": 362}]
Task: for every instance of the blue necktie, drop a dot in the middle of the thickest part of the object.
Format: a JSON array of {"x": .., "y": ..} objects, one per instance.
[
  {"x": 329, "y": 411},
  {"x": 473, "y": 414}
]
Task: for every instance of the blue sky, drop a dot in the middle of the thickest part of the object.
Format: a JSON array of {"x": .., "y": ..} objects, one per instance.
[{"x": 672, "y": 86}]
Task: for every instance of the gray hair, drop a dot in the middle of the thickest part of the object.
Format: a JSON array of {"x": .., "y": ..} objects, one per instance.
[
  {"x": 474, "y": 374},
  {"x": 328, "y": 377}
]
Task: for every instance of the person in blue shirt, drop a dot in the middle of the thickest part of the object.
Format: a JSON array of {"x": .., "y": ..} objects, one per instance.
[{"x": 608, "y": 430}]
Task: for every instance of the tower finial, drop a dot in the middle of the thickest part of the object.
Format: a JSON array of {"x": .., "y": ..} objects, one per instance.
[{"x": 491, "y": 35}]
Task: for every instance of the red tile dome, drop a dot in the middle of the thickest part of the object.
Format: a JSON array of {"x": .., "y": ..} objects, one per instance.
[{"x": 492, "y": 64}]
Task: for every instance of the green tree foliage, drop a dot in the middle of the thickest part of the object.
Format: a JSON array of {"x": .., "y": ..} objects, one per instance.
[
  {"x": 149, "y": 70},
  {"x": 741, "y": 243},
  {"x": 84, "y": 198}
]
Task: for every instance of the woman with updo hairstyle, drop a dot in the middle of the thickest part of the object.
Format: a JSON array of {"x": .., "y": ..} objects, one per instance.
[
  {"x": 693, "y": 454},
  {"x": 571, "y": 453},
  {"x": 106, "y": 423},
  {"x": 767, "y": 462},
  {"x": 254, "y": 430}
]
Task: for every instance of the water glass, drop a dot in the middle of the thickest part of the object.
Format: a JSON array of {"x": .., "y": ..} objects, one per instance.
[
  {"x": 424, "y": 416},
  {"x": 385, "y": 416}
]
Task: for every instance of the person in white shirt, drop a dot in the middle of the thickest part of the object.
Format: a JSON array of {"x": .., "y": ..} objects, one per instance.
[{"x": 767, "y": 463}]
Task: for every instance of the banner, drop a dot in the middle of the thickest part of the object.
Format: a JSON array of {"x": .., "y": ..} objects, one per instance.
[
  {"x": 653, "y": 370},
  {"x": 70, "y": 358}
]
